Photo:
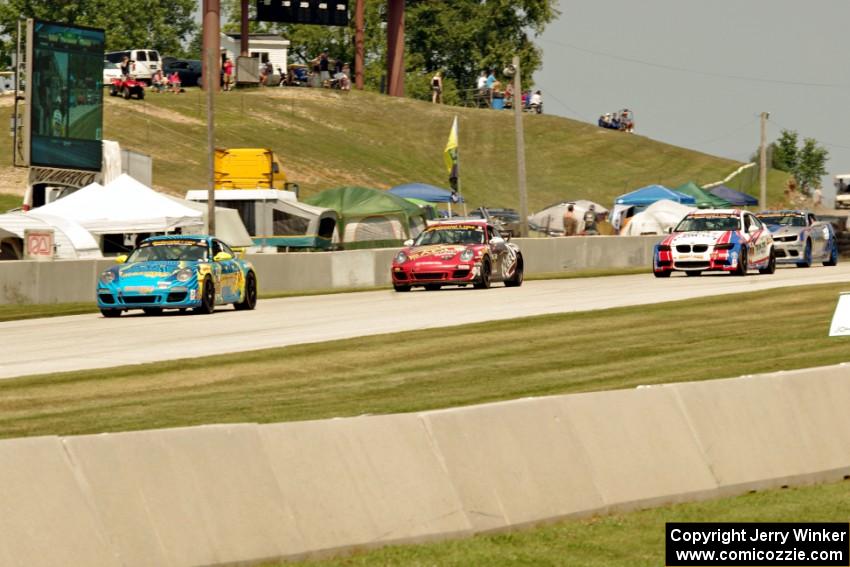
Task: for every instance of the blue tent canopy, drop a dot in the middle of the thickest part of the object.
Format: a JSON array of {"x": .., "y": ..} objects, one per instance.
[
  {"x": 651, "y": 193},
  {"x": 424, "y": 192},
  {"x": 734, "y": 197}
]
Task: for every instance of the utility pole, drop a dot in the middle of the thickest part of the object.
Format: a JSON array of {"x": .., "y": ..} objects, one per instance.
[
  {"x": 520, "y": 150},
  {"x": 211, "y": 79},
  {"x": 763, "y": 162}
]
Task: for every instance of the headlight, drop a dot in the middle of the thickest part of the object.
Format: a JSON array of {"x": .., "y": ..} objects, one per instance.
[
  {"x": 401, "y": 257},
  {"x": 467, "y": 255},
  {"x": 107, "y": 277},
  {"x": 727, "y": 246},
  {"x": 183, "y": 275}
]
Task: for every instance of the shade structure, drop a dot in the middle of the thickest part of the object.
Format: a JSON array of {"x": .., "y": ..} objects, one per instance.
[
  {"x": 424, "y": 192},
  {"x": 734, "y": 197},
  {"x": 645, "y": 196},
  {"x": 369, "y": 218},
  {"x": 705, "y": 200}
]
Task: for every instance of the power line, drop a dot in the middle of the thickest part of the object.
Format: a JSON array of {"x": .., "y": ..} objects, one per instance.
[{"x": 696, "y": 71}]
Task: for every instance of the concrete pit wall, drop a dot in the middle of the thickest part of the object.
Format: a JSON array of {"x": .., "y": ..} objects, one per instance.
[
  {"x": 65, "y": 281},
  {"x": 224, "y": 494}
]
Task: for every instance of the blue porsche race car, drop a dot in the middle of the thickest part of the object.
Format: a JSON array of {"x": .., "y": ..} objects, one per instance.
[{"x": 177, "y": 272}]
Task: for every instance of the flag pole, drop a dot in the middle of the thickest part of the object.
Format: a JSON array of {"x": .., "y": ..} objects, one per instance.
[{"x": 459, "y": 190}]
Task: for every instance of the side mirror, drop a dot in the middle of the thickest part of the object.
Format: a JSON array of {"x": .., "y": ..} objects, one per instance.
[
  {"x": 222, "y": 257},
  {"x": 497, "y": 240},
  {"x": 669, "y": 230},
  {"x": 121, "y": 259},
  {"x": 408, "y": 242}
]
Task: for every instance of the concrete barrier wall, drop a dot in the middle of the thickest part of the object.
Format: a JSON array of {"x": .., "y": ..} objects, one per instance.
[
  {"x": 216, "y": 495},
  {"x": 64, "y": 281}
]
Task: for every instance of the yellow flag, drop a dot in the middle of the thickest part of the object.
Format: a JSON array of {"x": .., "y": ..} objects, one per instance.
[{"x": 450, "y": 153}]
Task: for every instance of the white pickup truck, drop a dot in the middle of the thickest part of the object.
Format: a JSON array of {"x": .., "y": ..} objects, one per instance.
[{"x": 842, "y": 191}]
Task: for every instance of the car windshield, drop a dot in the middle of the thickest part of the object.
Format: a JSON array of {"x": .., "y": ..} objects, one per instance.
[
  {"x": 170, "y": 251},
  {"x": 708, "y": 223},
  {"x": 451, "y": 235},
  {"x": 783, "y": 220}
]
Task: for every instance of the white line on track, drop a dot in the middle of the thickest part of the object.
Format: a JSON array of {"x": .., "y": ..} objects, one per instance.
[{"x": 39, "y": 346}]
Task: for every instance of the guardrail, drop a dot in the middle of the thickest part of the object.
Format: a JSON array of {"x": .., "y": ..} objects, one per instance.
[
  {"x": 64, "y": 281},
  {"x": 226, "y": 494}
]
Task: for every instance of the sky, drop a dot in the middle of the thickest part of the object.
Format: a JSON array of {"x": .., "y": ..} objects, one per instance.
[{"x": 698, "y": 73}]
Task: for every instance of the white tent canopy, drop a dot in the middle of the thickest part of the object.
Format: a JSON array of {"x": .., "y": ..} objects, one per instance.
[
  {"x": 123, "y": 206},
  {"x": 71, "y": 241},
  {"x": 228, "y": 225},
  {"x": 551, "y": 219},
  {"x": 657, "y": 218}
]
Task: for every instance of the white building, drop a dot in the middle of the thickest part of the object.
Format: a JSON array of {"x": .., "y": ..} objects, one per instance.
[{"x": 264, "y": 46}]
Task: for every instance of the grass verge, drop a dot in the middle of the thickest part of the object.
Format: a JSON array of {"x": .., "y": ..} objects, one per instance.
[
  {"x": 629, "y": 540},
  {"x": 14, "y": 312},
  {"x": 554, "y": 354}
]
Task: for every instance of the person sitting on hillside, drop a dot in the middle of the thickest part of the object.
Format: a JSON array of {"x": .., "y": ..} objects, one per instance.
[
  {"x": 158, "y": 82},
  {"x": 536, "y": 102},
  {"x": 174, "y": 81}
]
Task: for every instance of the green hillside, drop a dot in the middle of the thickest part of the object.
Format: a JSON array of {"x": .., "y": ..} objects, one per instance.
[{"x": 331, "y": 138}]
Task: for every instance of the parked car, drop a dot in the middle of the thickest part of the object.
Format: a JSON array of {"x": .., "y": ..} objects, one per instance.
[
  {"x": 177, "y": 272},
  {"x": 506, "y": 220},
  {"x": 726, "y": 240},
  {"x": 800, "y": 238},
  {"x": 460, "y": 253},
  {"x": 110, "y": 71},
  {"x": 145, "y": 62},
  {"x": 189, "y": 71}
]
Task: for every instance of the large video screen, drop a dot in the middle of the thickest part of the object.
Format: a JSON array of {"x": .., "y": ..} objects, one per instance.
[{"x": 66, "y": 95}]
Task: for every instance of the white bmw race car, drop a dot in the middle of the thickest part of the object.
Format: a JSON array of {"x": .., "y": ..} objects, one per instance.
[{"x": 726, "y": 240}]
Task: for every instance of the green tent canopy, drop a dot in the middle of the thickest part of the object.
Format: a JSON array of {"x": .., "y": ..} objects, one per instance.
[
  {"x": 369, "y": 218},
  {"x": 705, "y": 200}
]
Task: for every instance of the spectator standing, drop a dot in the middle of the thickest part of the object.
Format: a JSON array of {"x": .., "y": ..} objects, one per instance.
[
  {"x": 818, "y": 196},
  {"x": 491, "y": 79},
  {"x": 437, "y": 88},
  {"x": 590, "y": 221},
  {"x": 324, "y": 73},
  {"x": 570, "y": 221},
  {"x": 228, "y": 74},
  {"x": 126, "y": 65},
  {"x": 481, "y": 83}
]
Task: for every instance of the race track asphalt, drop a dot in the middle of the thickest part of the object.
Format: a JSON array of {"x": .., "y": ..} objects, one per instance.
[{"x": 39, "y": 346}]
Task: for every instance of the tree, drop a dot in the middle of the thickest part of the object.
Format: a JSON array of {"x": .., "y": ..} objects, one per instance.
[
  {"x": 461, "y": 38},
  {"x": 784, "y": 151},
  {"x": 464, "y": 37},
  {"x": 164, "y": 26},
  {"x": 811, "y": 165}
]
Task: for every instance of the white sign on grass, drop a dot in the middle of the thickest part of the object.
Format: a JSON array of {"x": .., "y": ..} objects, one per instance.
[{"x": 841, "y": 319}]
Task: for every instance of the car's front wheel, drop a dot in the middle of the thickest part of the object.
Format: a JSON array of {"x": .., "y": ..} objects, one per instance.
[
  {"x": 483, "y": 281},
  {"x": 249, "y": 301},
  {"x": 110, "y": 312},
  {"x": 401, "y": 288},
  {"x": 743, "y": 267},
  {"x": 833, "y": 255},
  {"x": 516, "y": 279},
  {"x": 771, "y": 264},
  {"x": 807, "y": 256},
  {"x": 663, "y": 274},
  {"x": 207, "y": 305}
]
